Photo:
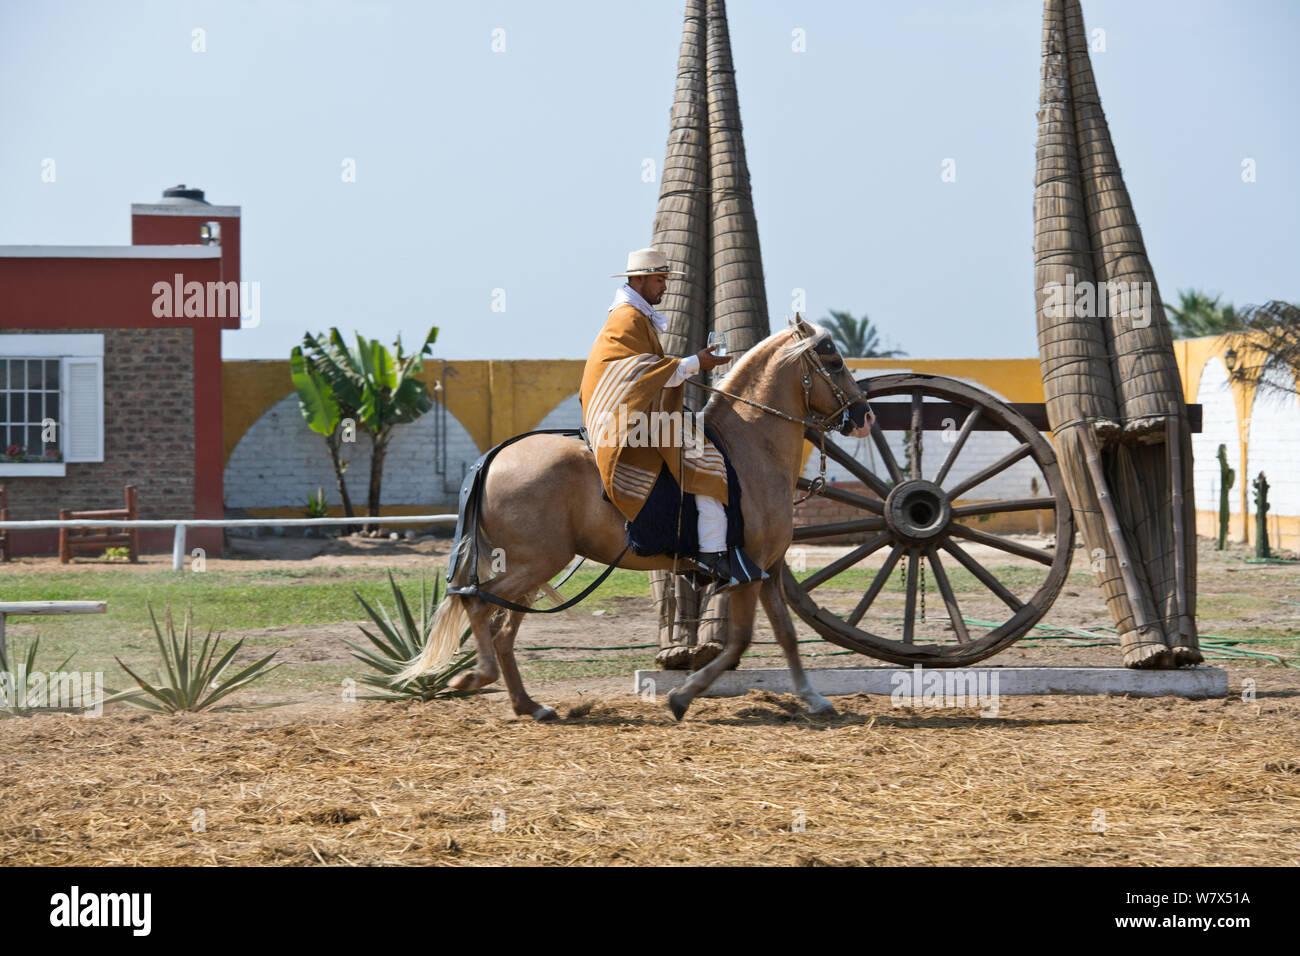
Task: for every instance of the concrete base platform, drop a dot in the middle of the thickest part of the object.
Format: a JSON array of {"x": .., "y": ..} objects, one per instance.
[{"x": 915, "y": 681}]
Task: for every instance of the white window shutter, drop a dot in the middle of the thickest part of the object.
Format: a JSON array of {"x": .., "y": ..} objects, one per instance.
[{"x": 83, "y": 409}]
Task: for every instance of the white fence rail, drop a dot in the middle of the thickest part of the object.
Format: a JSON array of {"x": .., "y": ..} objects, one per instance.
[{"x": 180, "y": 525}]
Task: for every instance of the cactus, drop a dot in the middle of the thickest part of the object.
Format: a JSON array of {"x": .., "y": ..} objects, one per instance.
[
  {"x": 1226, "y": 479},
  {"x": 1261, "y": 516}
]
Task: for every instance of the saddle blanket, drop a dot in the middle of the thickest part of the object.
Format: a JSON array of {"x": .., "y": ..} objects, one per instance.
[{"x": 654, "y": 530}]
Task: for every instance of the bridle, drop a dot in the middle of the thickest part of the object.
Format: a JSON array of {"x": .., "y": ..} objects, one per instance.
[{"x": 837, "y": 420}]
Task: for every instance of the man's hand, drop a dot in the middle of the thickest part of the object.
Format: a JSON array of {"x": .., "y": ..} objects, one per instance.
[{"x": 710, "y": 361}]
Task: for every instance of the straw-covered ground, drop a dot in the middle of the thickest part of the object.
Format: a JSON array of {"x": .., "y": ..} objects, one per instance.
[
  {"x": 742, "y": 781},
  {"x": 752, "y": 780}
]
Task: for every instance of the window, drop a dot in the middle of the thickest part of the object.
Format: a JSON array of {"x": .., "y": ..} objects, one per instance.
[
  {"x": 29, "y": 421},
  {"x": 51, "y": 402}
]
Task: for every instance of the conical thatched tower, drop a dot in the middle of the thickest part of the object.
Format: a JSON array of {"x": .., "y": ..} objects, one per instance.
[
  {"x": 705, "y": 221},
  {"x": 1114, "y": 397}
]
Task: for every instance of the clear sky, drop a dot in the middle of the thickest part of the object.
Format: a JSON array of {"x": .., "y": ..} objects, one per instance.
[{"x": 521, "y": 170}]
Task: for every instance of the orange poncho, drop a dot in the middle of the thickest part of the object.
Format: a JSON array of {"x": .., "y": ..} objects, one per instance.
[{"x": 635, "y": 424}]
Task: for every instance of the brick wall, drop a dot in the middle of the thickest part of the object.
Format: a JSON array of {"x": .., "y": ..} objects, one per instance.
[{"x": 148, "y": 436}]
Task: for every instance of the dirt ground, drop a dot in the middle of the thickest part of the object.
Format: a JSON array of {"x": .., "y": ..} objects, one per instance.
[{"x": 750, "y": 780}]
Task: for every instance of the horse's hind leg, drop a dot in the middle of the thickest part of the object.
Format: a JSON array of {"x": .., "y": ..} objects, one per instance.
[
  {"x": 504, "y": 642},
  {"x": 486, "y": 671},
  {"x": 779, "y": 615}
]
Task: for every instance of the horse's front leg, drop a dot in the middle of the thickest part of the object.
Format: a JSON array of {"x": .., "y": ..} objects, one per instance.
[
  {"x": 743, "y": 602},
  {"x": 779, "y": 615}
]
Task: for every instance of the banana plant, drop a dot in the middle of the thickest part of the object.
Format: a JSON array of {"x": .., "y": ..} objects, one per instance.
[
  {"x": 322, "y": 412},
  {"x": 382, "y": 387}
]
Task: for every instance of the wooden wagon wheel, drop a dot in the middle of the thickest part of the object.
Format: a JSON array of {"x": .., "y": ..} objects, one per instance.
[{"x": 916, "y": 520}]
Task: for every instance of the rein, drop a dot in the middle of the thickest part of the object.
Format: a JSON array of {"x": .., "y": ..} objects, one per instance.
[{"x": 834, "y": 420}]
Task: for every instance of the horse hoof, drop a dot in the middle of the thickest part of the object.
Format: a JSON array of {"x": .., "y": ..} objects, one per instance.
[
  {"x": 470, "y": 680},
  {"x": 545, "y": 714},
  {"x": 677, "y": 706},
  {"x": 821, "y": 707}
]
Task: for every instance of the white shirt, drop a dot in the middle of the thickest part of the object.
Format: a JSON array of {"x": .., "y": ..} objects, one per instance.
[{"x": 629, "y": 296}]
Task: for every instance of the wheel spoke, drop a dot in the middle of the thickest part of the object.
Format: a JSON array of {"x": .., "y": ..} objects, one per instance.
[
  {"x": 998, "y": 507},
  {"x": 984, "y": 575},
  {"x": 917, "y": 433},
  {"x": 845, "y": 497},
  {"x": 847, "y": 561},
  {"x": 857, "y": 469},
  {"x": 881, "y": 578},
  {"x": 1002, "y": 544},
  {"x": 966, "y": 427},
  {"x": 1003, "y": 463},
  {"x": 886, "y": 455},
  {"x": 949, "y": 598},
  {"x": 909, "y": 609},
  {"x": 838, "y": 527}
]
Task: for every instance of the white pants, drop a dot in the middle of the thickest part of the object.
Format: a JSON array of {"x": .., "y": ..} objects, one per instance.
[{"x": 713, "y": 524}]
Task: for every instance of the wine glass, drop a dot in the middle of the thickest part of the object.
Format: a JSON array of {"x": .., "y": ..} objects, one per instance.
[{"x": 718, "y": 343}]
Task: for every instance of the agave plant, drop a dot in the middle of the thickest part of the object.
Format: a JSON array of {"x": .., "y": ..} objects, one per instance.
[
  {"x": 398, "y": 642},
  {"x": 19, "y": 700},
  {"x": 193, "y": 679}
]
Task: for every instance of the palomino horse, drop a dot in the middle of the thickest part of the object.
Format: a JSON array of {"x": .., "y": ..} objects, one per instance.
[{"x": 542, "y": 504}]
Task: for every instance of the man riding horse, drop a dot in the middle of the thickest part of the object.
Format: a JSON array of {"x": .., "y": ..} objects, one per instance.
[
  {"x": 546, "y": 497},
  {"x": 629, "y": 383}
]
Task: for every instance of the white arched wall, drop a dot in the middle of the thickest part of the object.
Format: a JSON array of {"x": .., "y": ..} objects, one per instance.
[
  {"x": 280, "y": 461},
  {"x": 1218, "y": 427},
  {"x": 1275, "y": 444},
  {"x": 567, "y": 414}
]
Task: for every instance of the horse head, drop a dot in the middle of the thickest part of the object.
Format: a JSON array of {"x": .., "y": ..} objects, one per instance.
[{"x": 831, "y": 394}]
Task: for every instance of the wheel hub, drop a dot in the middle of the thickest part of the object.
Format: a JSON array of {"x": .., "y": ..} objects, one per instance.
[{"x": 917, "y": 510}]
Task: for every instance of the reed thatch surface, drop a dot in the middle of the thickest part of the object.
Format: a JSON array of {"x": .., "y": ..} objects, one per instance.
[
  {"x": 1078, "y": 781},
  {"x": 1113, "y": 373},
  {"x": 705, "y": 221},
  {"x": 705, "y": 224}
]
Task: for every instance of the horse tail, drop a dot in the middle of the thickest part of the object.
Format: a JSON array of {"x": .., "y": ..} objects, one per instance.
[
  {"x": 448, "y": 622},
  {"x": 444, "y": 640}
]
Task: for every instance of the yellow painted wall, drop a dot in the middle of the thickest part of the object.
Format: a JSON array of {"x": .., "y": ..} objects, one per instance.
[{"x": 496, "y": 399}]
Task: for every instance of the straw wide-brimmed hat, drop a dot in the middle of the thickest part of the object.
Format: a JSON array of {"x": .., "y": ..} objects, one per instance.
[{"x": 647, "y": 262}]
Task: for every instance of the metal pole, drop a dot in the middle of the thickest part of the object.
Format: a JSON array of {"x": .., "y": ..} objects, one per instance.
[{"x": 178, "y": 548}]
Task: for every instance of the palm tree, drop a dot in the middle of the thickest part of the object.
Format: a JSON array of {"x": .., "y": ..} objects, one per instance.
[
  {"x": 857, "y": 338},
  {"x": 383, "y": 389},
  {"x": 1266, "y": 349},
  {"x": 1196, "y": 314}
]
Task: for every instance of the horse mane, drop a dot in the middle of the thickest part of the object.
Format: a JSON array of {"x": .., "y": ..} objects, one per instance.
[
  {"x": 796, "y": 348},
  {"x": 785, "y": 354}
]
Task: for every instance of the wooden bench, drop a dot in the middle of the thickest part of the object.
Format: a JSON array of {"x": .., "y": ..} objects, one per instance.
[
  {"x": 91, "y": 538},
  {"x": 41, "y": 608}
]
